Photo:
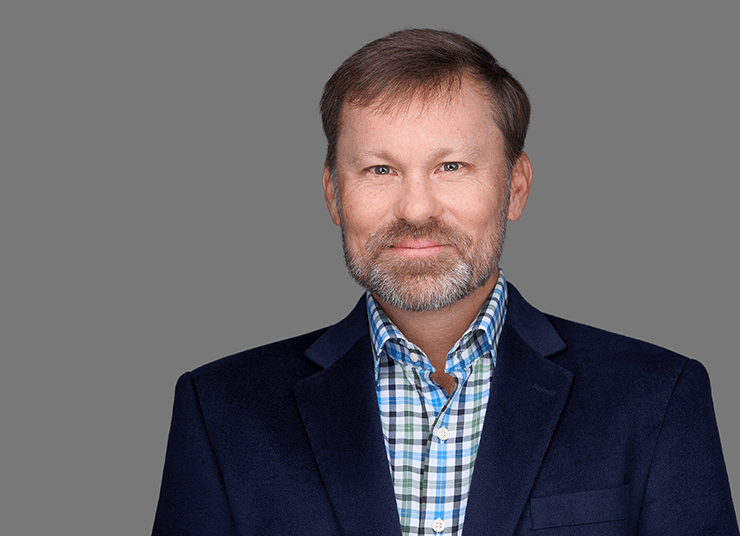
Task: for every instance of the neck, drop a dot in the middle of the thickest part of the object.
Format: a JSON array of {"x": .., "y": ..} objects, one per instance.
[{"x": 437, "y": 331}]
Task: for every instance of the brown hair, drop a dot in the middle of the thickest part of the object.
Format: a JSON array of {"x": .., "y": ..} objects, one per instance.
[{"x": 422, "y": 63}]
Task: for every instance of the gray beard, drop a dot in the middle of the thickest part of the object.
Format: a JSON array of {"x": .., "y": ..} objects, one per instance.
[{"x": 425, "y": 284}]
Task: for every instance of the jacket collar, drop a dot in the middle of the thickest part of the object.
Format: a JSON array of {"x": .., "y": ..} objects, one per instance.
[
  {"x": 339, "y": 407},
  {"x": 339, "y": 338},
  {"x": 340, "y": 411},
  {"x": 528, "y": 394}
]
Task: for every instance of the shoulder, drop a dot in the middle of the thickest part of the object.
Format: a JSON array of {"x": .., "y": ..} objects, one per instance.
[
  {"x": 255, "y": 369},
  {"x": 245, "y": 389},
  {"x": 598, "y": 343},
  {"x": 271, "y": 371},
  {"x": 582, "y": 348},
  {"x": 602, "y": 358},
  {"x": 274, "y": 356}
]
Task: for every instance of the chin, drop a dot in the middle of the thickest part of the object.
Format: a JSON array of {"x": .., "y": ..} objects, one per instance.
[{"x": 425, "y": 292}]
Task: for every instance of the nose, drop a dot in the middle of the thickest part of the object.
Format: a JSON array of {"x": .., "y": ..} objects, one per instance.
[{"x": 418, "y": 200}]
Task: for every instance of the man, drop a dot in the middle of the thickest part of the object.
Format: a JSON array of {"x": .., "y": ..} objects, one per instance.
[{"x": 444, "y": 401}]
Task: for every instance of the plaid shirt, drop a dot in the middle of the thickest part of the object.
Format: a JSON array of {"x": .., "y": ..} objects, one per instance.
[{"x": 432, "y": 438}]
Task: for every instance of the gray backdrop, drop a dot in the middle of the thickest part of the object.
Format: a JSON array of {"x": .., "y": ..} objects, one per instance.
[{"x": 161, "y": 207}]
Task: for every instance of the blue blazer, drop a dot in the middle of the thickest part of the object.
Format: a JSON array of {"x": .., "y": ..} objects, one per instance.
[{"x": 586, "y": 433}]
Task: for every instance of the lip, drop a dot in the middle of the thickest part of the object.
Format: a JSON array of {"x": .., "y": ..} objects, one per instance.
[{"x": 416, "y": 249}]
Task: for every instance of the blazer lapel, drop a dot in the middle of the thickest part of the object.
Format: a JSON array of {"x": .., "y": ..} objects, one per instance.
[
  {"x": 528, "y": 394},
  {"x": 340, "y": 411}
]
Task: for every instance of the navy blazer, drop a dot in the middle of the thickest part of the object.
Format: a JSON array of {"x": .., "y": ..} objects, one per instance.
[{"x": 586, "y": 433}]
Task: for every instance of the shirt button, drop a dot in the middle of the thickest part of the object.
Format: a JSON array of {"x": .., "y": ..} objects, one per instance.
[
  {"x": 414, "y": 358},
  {"x": 438, "y": 525},
  {"x": 443, "y": 434}
]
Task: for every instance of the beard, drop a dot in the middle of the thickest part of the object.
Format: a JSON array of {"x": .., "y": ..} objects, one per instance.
[{"x": 425, "y": 284}]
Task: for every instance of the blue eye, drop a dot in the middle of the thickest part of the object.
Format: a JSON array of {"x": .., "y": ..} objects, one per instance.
[
  {"x": 380, "y": 170},
  {"x": 451, "y": 166}
]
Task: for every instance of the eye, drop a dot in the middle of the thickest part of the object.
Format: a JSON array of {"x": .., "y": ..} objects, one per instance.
[
  {"x": 381, "y": 170},
  {"x": 451, "y": 166}
]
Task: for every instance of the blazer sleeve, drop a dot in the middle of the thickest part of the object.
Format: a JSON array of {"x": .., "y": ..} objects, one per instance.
[
  {"x": 192, "y": 498},
  {"x": 688, "y": 491}
]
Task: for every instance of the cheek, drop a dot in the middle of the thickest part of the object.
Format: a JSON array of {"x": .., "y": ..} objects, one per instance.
[
  {"x": 357, "y": 226},
  {"x": 478, "y": 219},
  {"x": 362, "y": 215}
]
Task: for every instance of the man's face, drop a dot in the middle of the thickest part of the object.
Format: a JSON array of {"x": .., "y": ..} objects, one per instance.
[{"x": 423, "y": 198}]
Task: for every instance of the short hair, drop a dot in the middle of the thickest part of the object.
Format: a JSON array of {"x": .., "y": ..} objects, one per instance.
[{"x": 422, "y": 63}]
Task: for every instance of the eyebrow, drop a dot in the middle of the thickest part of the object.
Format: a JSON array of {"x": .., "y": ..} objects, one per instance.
[
  {"x": 468, "y": 152},
  {"x": 362, "y": 156}
]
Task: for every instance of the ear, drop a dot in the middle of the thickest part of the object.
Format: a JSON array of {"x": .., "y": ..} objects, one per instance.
[
  {"x": 330, "y": 196},
  {"x": 521, "y": 180}
]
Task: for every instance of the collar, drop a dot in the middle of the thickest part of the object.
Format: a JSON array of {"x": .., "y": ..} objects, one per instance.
[{"x": 483, "y": 333}]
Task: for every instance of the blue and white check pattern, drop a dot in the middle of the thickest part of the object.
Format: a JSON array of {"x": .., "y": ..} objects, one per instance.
[{"x": 432, "y": 438}]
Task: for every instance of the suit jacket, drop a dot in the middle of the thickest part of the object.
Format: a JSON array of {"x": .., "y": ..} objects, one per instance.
[{"x": 586, "y": 433}]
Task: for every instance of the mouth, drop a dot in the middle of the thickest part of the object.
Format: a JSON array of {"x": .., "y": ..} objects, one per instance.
[{"x": 417, "y": 249}]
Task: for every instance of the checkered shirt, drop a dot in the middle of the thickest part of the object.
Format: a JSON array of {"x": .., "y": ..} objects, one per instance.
[{"x": 432, "y": 438}]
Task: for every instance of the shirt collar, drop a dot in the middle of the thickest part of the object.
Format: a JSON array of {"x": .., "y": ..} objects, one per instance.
[{"x": 388, "y": 339}]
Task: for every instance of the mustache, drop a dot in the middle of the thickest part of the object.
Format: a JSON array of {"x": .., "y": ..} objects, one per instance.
[{"x": 432, "y": 230}]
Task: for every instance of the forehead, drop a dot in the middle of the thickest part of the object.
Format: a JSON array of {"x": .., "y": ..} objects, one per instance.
[{"x": 463, "y": 115}]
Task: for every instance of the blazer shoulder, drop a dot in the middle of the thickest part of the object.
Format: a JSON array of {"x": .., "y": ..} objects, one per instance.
[
  {"x": 578, "y": 346},
  {"x": 254, "y": 369},
  {"x": 589, "y": 347},
  {"x": 291, "y": 357}
]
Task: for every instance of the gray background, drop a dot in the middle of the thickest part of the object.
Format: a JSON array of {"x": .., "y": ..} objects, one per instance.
[{"x": 161, "y": 207}]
